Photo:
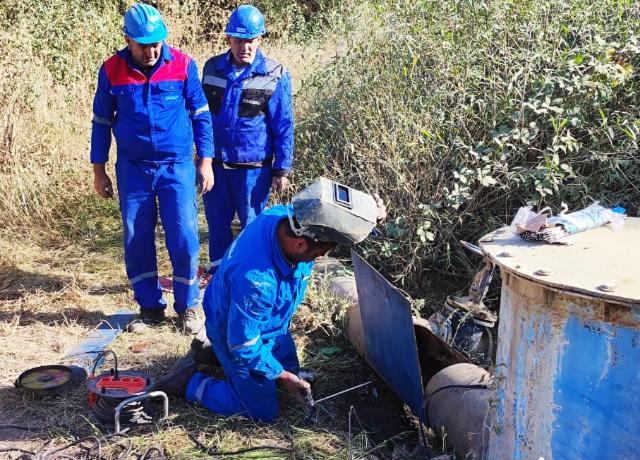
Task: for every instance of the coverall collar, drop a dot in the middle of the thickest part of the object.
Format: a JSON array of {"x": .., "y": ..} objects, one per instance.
[
  {"x": 257, "y": 67},
  {"x": 280, "y": 261},
  {"x": 165, "y": 56}
]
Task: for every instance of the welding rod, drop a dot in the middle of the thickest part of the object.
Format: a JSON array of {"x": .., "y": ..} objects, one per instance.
[{"x": 341, "y": 392}]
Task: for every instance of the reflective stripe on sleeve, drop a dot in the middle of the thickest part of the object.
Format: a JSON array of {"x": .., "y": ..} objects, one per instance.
[
  {"x": 204, "y": 108},
  {"x": 247, "y": 344}
]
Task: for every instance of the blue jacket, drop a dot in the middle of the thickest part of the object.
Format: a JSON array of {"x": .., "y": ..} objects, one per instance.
[
  {"x": 153, "y": 117},
  {"x": 252, "y": 114},
  {"x": 253, "y": 296}
]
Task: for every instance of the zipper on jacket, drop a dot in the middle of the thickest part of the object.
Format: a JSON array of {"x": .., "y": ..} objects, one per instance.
[{"x": 146, "y": 91}]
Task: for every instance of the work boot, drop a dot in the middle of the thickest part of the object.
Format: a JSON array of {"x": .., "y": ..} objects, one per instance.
[
  {"x": 176, "y": 381},
  {"x": 189, "y": 321},
  {"x": 147, "y": 317},
  {"x": 202, "y": 351}
]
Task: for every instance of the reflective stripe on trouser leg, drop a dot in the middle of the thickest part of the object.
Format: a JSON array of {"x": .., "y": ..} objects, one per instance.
[
  {"x": 239, "y": 394},
  {"x": 218, "y": 208},
  {"x": 175, "y": 187},
  {"x": 139, "y": 216},
  {"x": 242, "y": 393}
]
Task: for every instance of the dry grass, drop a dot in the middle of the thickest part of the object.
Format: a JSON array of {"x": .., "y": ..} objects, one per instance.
[
  {"x": 61, "y": 268},
  {"x": 51, "y": 298}
]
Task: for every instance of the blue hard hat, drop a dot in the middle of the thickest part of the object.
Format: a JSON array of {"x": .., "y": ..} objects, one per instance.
[
  {"x": 246, "y": 21},
  {"x": 144, "y": 24}
]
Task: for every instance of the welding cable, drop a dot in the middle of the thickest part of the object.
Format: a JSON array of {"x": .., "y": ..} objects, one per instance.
[
  {"x": 147, "y": 454},
  {"x": 99, "y": 358},
  {"x": 217, "y": 453},
  {"x": 95, "y": 446},
  {"x": 94, "y": 449},
  {"x": 477, "y": 386},
  {"x": 138, "y": 412},
  {"x": 16, "y": 449},
  {"x": 20, "y": 427}
]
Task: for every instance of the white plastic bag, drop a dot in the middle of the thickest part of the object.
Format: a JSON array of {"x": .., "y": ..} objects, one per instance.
[{"x": 524, "y": 214}]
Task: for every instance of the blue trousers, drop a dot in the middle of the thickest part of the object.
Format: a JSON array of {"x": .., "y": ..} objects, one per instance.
[
  {"x": 243, "y": 392},
  {"x": 144, "y": 188},
  {"x": 245, "y": 191}
]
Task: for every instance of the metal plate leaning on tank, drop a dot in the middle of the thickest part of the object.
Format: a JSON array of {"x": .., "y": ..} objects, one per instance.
[{"x": 601, "y": 262}]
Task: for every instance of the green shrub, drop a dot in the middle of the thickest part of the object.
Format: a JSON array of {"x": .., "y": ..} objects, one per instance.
[{"x": 458, "y": 112}]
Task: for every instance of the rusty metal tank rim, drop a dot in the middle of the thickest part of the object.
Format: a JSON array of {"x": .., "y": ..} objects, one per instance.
[
  {"x": 601, "y": 263},
  {"x": 568, "y": 291}
]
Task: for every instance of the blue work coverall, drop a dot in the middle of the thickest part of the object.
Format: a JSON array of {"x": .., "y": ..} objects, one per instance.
[
  {"x": 252, "y": 116},
  {"x": 248, "y": 307},
  {"x": 155, "y": 118}
]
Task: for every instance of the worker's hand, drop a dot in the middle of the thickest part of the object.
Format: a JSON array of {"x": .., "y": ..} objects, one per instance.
[
  {"x": 294, "y": 385},
  {"x": 382, "y": 208},
  {"x": 102, "y": 182},
  {"x": 279, "y": 183},
  {"x": 204, "y": 174}
]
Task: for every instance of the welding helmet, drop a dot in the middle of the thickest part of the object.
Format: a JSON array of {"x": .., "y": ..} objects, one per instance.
[
  {"x": 144, "y": 24},
  {"x": 246, "y": 22},
  {"x": 332, "y": 212}
]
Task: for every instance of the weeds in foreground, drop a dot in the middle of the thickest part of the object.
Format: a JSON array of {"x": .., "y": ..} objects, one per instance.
[{"x": 50, "y": 301}]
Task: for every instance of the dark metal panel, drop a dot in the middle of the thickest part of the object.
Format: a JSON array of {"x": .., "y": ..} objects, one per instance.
[{"x": 388, "y": 333}]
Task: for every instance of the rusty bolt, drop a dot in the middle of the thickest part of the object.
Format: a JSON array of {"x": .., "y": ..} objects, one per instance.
[
  {"x": 543, "y": 272},
  {"x": 607, "y": 287}
]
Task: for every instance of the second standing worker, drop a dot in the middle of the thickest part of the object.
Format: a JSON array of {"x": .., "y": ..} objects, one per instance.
[{"x": 251, "y": 107}]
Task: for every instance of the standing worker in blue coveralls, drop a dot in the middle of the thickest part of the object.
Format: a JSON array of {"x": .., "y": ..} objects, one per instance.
[
  {"x": 251, "y": 299},
  {"x": 150, "y": 96},
  {"x": 251, "y": 105}
]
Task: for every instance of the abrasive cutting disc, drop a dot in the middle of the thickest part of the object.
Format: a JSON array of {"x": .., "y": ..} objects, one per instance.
[
  {"x": 45, "y": 378},
  {"x": 49, "y": 380}
]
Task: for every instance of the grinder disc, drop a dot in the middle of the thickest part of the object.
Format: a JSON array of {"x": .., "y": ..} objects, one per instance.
[{"x": 50, "y": 380}]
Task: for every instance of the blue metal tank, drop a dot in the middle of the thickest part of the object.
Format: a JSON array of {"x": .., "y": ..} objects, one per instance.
[{"x": 568, "y": 358}]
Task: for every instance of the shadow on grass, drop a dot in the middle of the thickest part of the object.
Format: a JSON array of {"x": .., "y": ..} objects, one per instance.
[
  {"x": 27, "y": 418},
  {"x": 16, "y": 283},
  {"x": 77, "y": 315}
]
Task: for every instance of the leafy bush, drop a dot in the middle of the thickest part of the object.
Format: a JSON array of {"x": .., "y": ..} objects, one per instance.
[{"x": 458, "y": 112}]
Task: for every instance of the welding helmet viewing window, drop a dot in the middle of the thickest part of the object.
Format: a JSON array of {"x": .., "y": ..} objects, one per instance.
[{"x": 332, "y": 212}]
